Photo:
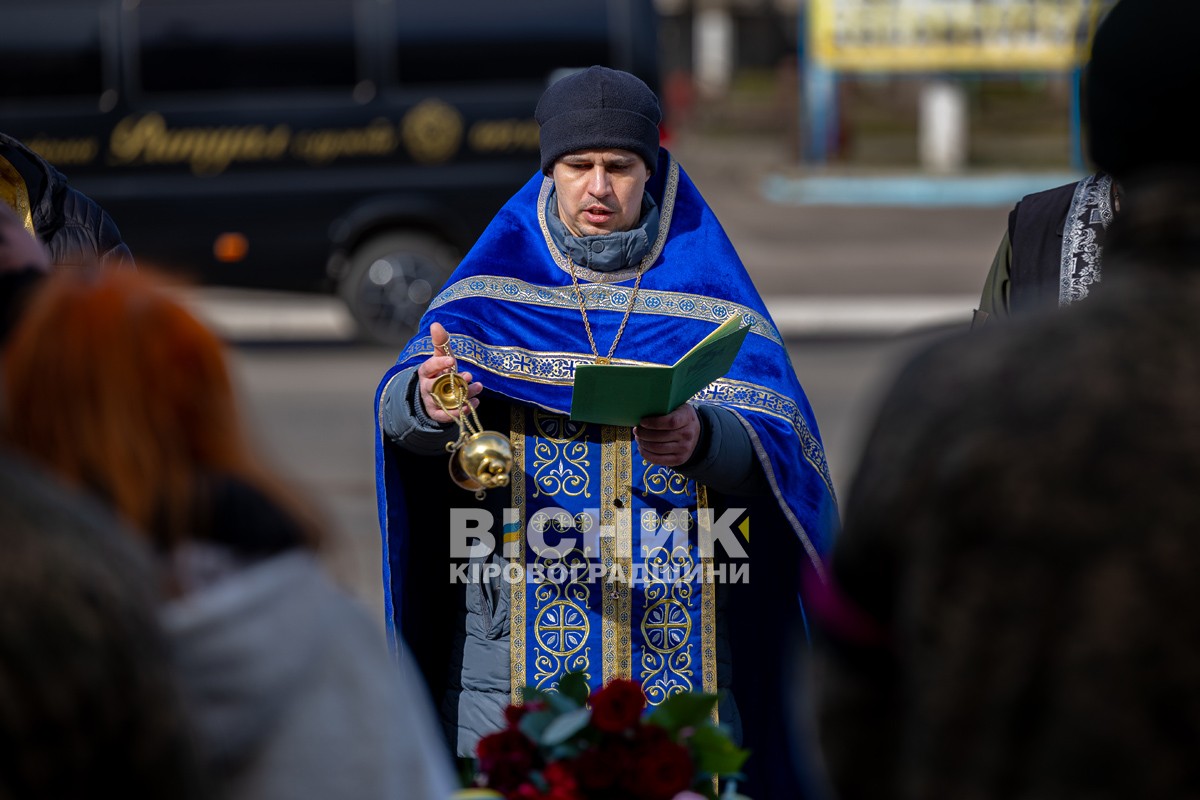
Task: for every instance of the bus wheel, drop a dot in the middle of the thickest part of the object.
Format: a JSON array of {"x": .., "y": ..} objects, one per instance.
[{"x": 390, "y": 281}]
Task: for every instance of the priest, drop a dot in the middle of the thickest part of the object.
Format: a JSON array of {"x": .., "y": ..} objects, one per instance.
[{"x": 614, "y": 551}]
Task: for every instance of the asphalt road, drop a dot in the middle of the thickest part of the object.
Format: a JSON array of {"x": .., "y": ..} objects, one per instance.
[{"x": 835, "y": 250}]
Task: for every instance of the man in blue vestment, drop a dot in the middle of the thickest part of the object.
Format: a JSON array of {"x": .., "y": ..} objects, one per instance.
[{"x": 594, "y": 558}]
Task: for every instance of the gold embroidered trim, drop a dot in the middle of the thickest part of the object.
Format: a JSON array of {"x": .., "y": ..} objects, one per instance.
[
  {"x": 624, "y": 448},
  {"x": 734, "y": 394},
  {"x": 681, "y": 305},
  {"x": 387, "y": 387},
  {"x": 383, "y": 438},
  {"x": 560, "y": 457},
  {"x": 516, "y": 606},
  {"x": 708, "y": 604},
  {"x": 769, "y": 471},
  {"x": 616, "y": 551}
]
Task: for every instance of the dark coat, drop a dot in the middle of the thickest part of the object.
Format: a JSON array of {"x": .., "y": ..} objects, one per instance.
[{"x": 77, "y": 231}]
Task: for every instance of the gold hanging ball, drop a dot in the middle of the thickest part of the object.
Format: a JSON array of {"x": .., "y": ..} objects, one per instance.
[
  {"x": 459, "y": 475},
  {"x": 486, "y": 459},
  {"x": 451, "y": 390}
]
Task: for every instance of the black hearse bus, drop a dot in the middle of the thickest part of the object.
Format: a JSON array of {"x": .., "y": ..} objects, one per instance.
[{"x": 356, "y": 146}]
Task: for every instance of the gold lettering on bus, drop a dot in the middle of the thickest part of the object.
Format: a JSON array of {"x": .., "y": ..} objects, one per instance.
[
  {"x": 323, "y": 145},
  {"x": 503, "y": 135},
  {"x": 208, "y": 151},
  {"x": 65, "y": 152},
  {"x": 432, "y": 131}
]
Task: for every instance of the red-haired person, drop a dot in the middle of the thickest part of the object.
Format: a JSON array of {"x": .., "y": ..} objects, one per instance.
[{"x": 115, "y": 387}]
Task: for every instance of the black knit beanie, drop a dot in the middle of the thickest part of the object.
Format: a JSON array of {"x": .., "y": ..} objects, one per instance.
[
  {"x": 1140, "y": 81},
  {"x": 598, "y": 107}
]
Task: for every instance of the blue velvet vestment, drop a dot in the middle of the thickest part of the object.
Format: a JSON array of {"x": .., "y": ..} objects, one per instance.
[{"x": 515, "y": 325}]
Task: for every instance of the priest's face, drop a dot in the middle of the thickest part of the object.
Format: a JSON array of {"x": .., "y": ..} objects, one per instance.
[{"x": 600, "y": 191}]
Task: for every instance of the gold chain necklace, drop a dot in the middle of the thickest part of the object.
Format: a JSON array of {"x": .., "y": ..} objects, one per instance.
[{"x": 587, "y": 326}]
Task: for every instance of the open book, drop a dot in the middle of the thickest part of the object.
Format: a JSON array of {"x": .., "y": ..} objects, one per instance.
[{"x": 621, "y": 394}]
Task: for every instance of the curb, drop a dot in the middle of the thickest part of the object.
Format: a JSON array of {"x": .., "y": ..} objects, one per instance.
[
  {"x": 916, "y": 190},
  {"x": 868, "y": 316},
  {"x": 246, "y": 317}
]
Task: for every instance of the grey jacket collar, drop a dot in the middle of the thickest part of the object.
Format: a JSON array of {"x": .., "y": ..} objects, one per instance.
[{"x": 606, "y": 252}]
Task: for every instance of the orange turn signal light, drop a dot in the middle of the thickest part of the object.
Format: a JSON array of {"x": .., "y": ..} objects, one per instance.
[{"x": 229, "y": 248}]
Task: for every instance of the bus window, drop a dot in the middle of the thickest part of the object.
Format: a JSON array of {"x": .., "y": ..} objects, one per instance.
[
  {"x": 505, "y": 43},
  {"x": 51, "y": 52},
  {"x": 268, "y": 46}
]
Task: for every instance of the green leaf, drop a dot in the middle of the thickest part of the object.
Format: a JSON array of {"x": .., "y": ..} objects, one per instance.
[
  {"x": 574, "y": 685},
  {"x": 535, "y": 723},
  {"x": 561, "y": 704},
  {"x": 565, "y": 751},
  {"x": 566, "y": 726},
  {"x": 530, "y": 694},
  {"x": 551, "y": 699},
  {"x": 684, "y": 710},
  {"x": 715, "y": 752}
]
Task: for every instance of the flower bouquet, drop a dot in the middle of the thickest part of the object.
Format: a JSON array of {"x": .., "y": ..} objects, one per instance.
[{"x": 569, "y": 745}]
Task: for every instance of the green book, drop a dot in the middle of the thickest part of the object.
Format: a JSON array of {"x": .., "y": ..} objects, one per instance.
[{"x": 621, "y": 394}]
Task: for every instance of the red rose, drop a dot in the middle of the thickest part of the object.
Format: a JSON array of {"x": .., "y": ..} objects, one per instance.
[
  {"x": 646, "y": 739},
  {"x": 650, "y": 736},
  {"x": 618, "y": 706},
  {"x": 505, "y": 757},
  {"x": 560, "y": 782},
  {"x": 663, "y": 768},
  {"x": 601, "y": 767},
  {"x": 526, "y": 791},
  {"x": 560, "y": 785}
]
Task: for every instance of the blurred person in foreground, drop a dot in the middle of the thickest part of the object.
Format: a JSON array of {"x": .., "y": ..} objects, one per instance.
[
  {"x": 24, "y": 261},
  {"x": 77, "y": 232},
  {"x": 1014, "y": 611},
  {"x": 89, "y": 705},
  {"x": 1052, "y": 253},
  {"x": 609, "y": 254},
  {"x": 286, "y": 677}
]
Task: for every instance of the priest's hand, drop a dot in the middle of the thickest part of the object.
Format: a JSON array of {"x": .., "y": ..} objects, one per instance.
[
  {"x": 436, "y": 365},
  {"x": 671, "y": 439}
]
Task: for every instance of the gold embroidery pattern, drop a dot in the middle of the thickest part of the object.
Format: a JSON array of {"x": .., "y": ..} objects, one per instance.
[
  {"x": 561, "y": 628},
  {"x": 560, "y": 460},
  {"x": 624, "y": 453},
  {"x": 681, "y": 305},
  {"x": 708, "y": 605},
  {"x": 516, "y": 607},
  {"x": 660, "y": 480},
  {"x": 666, "y": 663},
  {"x": 666, "y": 626},
  {"x": 616, "y": 545},
  {"x": 751, "y": 397},
  {"x": 554, "y": 368}
]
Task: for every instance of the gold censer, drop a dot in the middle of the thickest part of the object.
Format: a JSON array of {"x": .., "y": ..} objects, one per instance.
[{"x": 479, "y": 459}]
